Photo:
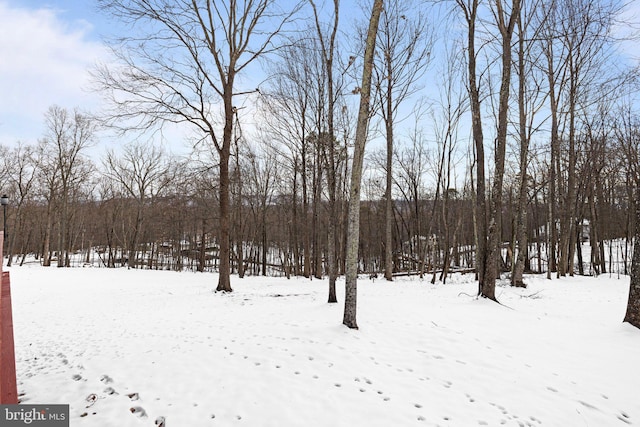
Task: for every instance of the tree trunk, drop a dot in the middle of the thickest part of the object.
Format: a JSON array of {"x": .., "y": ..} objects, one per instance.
[
  {"x": 353, "y": 226},
  {"x": 633, "y": 305},
  {"x": 224, "y": 269},
  {"x": 521, "y": 222},
  {"x": 388, "y": 223},
  {"x": 495, "y": 226}
]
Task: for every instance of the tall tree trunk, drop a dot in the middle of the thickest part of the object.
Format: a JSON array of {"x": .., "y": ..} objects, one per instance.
[
  {"x": 46, "y": 244},
  {"x": 330, "y": 146},
  {"x": 495, "y": 215},
  {"x": 480, "y": 211},
  {"x": 224, "y": 269},
  {"x": 306, "y": 266},
  {"x": 388, "y": 222},
  {"x": 353, "y": 226},
  {"x": 521, "y": 222},
  {"x": 633, "y": 305},
  {"x": 317, "y": 191},
  {"x": 388, "y": 214}
]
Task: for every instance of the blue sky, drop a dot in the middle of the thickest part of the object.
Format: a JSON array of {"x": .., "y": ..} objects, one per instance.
[{"x": 46, "y": 49}]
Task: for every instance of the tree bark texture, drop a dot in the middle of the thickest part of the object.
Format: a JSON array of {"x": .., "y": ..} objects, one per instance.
[
  {"x": 632, "y": 315},
  {"x": 353, "y": 224}
]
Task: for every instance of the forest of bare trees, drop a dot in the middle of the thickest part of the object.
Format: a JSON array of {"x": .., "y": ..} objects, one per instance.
[{"x": 503, "y": 142}]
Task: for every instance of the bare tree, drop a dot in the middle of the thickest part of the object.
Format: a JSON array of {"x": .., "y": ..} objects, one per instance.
[
  {"x": 453, "y": 105},
  {"x": 530, "y": 99},
  {"x": 64, "y": 169},
  {"x": 628, "y": 139},
  {"x": 327, "y": 51},
  {"x": 470, "y": 10},
  {"x": 353, "y": 224},
  {"x": 142, "y": 172},
  {"x": 20, "y": 169},
  {"x": 405, "y": 42},
  {"x": 287, "y": 105},
  {"x": 577, "y": 45},
  {"x": 488, "y": 220},
  {"x": 183, "y": 67}
]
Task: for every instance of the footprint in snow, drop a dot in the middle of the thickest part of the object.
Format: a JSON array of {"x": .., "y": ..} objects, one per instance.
[
  {"x": 91, "y": 399},
  {"x": 106, "y": 379},
  {"x": 138, "y": 411},
  {"x": 624, "y": 417}
]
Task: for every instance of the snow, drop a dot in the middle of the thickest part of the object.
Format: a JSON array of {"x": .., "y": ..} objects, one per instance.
[{"x": 131, "y": 348}]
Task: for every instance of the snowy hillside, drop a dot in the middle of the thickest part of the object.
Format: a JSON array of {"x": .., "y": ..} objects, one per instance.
[{"x": 130, "y": 348}]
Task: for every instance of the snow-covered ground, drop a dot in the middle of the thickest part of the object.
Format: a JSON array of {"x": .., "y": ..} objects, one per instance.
[{"x": 127, "y": 347}]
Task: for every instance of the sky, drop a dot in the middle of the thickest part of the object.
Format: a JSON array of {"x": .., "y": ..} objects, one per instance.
[{"x": 46, "y": 48}]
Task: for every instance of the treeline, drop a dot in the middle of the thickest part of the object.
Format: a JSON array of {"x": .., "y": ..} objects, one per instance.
[{"x": 142, "y": 207}]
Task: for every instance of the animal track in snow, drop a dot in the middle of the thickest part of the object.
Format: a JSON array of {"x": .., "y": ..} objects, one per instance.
[
  {"x": 624, "y": 417},
  {"x": 106, "y": 379},
  {"x": 138, "y": 411},
  {"x": 110, "y": 391}
]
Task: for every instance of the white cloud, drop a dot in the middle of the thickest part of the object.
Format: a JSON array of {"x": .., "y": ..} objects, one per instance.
[{"x": 45, "y": 61}]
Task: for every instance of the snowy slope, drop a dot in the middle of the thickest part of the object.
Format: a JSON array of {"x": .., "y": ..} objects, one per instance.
[{"x": 126, "y": 347}]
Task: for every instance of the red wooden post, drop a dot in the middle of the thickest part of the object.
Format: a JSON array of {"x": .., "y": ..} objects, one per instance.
[{"x": 8, "y": 384}]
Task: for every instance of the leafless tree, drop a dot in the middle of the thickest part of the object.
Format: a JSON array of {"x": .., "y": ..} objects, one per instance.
[
  {"x": 530, "y": 98},
  {"x": 405, "y": 41},
  {"x": 452, "y": 106},
  {"x": 142, "y": 172},
  {"x": 353, "y": 225},
  {"x": 20, "y": 166},
  {"x": 577, "y": 45},
  {"x": 182, "y": 67},
  {"x": 327, "y": 52},
  {"x": 470, "y": 10},
  {"x": 488, "y": 217},
  {"x": 63, "y": 168},
  {"x": 287, "y": 106},
  {"x": 627, "y": 133}
]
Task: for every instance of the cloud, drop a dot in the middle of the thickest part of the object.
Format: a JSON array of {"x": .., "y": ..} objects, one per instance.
[{"x": 45, "y": 61}]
